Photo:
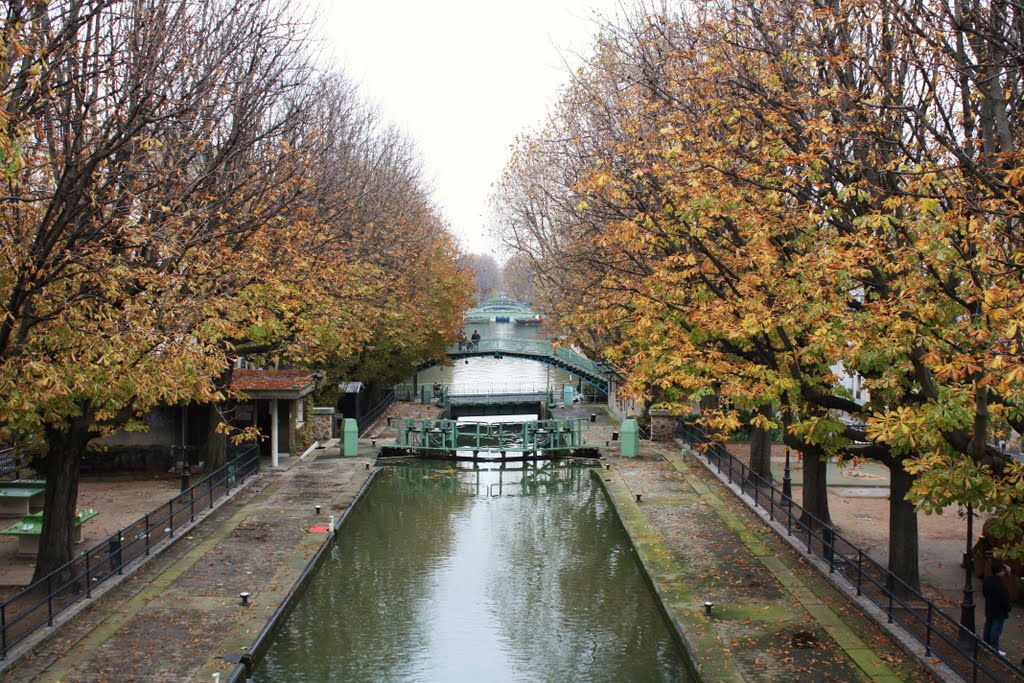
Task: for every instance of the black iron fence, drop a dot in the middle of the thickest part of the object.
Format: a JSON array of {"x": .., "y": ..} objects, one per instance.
[
  {"x": 366, "y": 421},
  {"x": 14, "y": 460},
  {"x": 10, "y": 461},
  {"x": 644, "y": 432},
  {"x": 941, "y": 635},
  {"x": 37, "y": 605}
]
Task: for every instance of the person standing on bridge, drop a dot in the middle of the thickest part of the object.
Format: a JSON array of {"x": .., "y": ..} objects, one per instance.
[{"x": 474, "y": 340}]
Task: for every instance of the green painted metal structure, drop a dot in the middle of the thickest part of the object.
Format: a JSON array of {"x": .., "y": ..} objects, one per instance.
[
  {"x": 630, "y": 438},
  {"x": 350, "y": 437},
  {"x": 539, "y": 350},
  {"x": 490, "y": 309},
  {"x": 468, "y": 440}
]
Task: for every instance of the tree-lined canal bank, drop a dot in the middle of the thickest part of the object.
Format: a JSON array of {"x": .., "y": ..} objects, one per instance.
[{"x": 181, "y": 618}]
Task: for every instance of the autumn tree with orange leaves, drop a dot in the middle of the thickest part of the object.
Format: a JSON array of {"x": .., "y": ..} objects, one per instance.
[
  {"x": 174, "y": 198},
  {"x": 778, "y": 195}
]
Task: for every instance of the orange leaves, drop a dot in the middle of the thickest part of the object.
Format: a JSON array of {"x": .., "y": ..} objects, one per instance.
[
  {"x": 1014, "y": 177},
  {"x": 786, "y": 214}
]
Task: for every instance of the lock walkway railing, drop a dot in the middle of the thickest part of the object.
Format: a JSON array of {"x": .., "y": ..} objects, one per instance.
[{"x": 448, "y": 437}]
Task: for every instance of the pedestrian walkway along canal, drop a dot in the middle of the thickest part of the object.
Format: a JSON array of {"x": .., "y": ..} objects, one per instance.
[{"x": 456, "y": 572}]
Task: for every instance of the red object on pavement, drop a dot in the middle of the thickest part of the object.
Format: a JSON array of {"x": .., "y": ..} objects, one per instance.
[{"x": 319, "y": 529}]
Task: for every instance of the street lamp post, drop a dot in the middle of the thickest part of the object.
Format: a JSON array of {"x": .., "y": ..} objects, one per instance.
[
  {"x": 186, "y": 470},
  {"x": 967, "y": 626}
]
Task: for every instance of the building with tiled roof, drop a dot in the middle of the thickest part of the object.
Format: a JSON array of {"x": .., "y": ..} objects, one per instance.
[
  {"x": 274, "y": 401},
  {"x": 283, "y": 384}
]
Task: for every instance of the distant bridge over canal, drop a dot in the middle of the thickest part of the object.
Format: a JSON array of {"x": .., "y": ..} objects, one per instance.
[
  {"x": 503, "y": 309},
  {"x": 505, "y": 403},
  {"x": 541, "y": 351}
]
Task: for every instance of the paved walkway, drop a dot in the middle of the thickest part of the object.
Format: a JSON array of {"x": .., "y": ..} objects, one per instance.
[
  {"x": 180, "y": 618},
  {"x": 774, "y": 618}
]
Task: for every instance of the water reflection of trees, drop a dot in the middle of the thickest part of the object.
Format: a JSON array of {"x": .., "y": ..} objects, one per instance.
[
  {"x": 527, "y": 478},
  {"x": 372, "y": 584},
  {"x": 565, "y": 590},
  {"x": 578, "y": 607}
]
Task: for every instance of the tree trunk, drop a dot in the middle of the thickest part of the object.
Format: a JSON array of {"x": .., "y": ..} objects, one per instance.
[
  {"x": 761, "y": 448},
  {"x": 63, "y": 462},
  {"x": 903, "y": 548},
  {"x": 815, "y": 489},
  {"x": 215, "y": 451}
]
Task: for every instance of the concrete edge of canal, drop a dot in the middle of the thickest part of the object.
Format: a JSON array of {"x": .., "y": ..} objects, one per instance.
[
  {"x": 709, "y": 654},
  {"x": 705, "y": 653},
  {"x": 239, "y": 639},
  {"x": 160, "y": 603}
]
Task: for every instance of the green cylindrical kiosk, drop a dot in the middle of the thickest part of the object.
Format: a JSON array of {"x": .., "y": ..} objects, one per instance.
[{"x": 630, "y": 439}]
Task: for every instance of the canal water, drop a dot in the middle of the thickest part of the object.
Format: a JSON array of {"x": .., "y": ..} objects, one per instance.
[
  {"x": 449, "y": 572},
  {"x": 461, "y": 571},
  {"x": 505, "y": 375}
]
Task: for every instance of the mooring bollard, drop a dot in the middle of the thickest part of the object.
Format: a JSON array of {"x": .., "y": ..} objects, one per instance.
[{"x": 330, "y": 528}]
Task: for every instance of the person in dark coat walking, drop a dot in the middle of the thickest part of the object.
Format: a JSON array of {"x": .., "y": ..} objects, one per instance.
[{"x": 997, "y": 605}]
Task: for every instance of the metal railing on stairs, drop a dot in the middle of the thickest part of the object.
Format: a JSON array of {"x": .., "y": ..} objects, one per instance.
[{"x": 366, "y": 421}]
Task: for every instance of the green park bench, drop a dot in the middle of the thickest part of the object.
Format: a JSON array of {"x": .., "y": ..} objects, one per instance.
[
  {"x": 31, "y": 526},
  {"x": 21, "y": 497}
]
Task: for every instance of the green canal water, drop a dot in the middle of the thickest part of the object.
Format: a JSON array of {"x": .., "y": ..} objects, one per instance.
[{"x": 450, "y": 572}]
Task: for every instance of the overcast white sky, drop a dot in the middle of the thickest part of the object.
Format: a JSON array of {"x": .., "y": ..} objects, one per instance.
[{"x": 462, "y": 78}]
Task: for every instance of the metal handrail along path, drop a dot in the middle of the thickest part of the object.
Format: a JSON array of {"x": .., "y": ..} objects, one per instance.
[
  {"x": 36, "y": 606},
  {"x": 940, "y": 634}
]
